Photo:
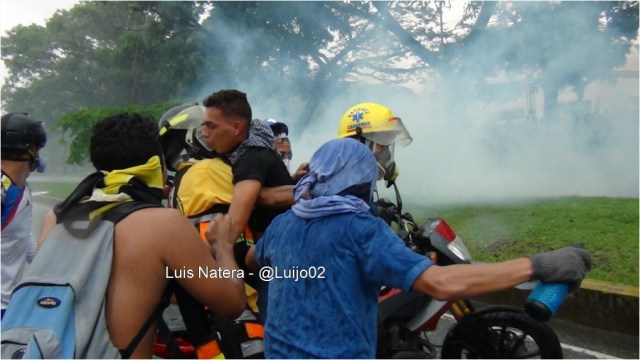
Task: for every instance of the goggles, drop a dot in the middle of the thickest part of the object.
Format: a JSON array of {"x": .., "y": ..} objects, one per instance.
[{"x": 283, "y": 155}]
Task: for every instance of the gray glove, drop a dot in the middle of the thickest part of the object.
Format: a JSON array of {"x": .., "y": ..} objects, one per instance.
[{"x": 568, "y": 264}]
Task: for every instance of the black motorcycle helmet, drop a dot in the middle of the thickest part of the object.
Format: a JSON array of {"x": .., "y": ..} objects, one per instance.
[
  {"x": 179, "y": 128},
  {"x": 20, "y": 133}
]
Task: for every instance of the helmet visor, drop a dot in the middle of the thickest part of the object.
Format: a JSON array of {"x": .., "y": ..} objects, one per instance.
[
  {"x": 393, "y": 132},
  {"x": 197, "y": 136}
]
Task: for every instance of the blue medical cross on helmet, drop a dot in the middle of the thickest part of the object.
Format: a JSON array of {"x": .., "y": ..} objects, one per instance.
[{"x": 358, "y": 115}]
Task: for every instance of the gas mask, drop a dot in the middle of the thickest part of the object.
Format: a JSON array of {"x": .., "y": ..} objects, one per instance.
[
  {"x": 384, "y": 159},
  {"x": 286, "y": 163},
  {"x": 36, "y": 163}
]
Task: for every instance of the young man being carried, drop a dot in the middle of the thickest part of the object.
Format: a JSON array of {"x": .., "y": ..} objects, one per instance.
[{"x": 248, "y": 145}]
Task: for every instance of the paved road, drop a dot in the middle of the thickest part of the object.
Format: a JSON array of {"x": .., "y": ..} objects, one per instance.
[{"x": 578, "y": 342}]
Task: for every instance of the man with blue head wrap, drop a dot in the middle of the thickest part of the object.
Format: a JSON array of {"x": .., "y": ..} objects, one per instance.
[
  {"x": 328, "y": 257},
  {"x": 331, "y": 234}
]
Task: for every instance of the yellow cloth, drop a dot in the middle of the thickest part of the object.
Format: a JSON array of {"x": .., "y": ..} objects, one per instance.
[
  {"x": 150, "y": 173},
  {"x": 206, "y": 184},
  {"x": 252, "y": 298}
]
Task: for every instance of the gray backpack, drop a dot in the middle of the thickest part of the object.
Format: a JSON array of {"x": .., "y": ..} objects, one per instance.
[{"x": 58, "y": 310}]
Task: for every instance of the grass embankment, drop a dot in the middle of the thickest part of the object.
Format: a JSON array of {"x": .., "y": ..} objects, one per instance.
[
  {"x": 608, "y": 227},
  {"x": 58, "y": 190}
]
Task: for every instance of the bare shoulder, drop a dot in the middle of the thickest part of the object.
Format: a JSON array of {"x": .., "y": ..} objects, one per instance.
[
  {"x": 157, "y": 221},
  {"x": 164, "y": 230}
]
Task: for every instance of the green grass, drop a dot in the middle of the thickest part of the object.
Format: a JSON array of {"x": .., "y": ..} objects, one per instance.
[{"x": 608, "y": 227}]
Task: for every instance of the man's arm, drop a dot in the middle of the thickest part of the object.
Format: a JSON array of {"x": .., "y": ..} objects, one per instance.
[
  {"x": 245, "y": 195},
  {"x": 464, "y": 281},
  {"x": 568, "y": 264},
  {"x": 250, "y": 259},
  {"x": 301, "y": 171},
  {"x": 47, "y": 224},
  {"x": 278, "y": 197},
  {"x": 220, "y": 236}
]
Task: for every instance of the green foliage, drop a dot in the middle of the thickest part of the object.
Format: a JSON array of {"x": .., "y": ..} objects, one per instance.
[
  {"x": 103, "y": 54},
  {"x": 608, "y": 227},
  {"x": 78, "y": 124}
]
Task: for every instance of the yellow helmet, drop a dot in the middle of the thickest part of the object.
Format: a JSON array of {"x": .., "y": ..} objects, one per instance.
[{"x": 374, "y": 122}]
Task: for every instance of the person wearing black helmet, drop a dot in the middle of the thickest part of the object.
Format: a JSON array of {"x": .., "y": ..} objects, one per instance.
[
  {"x": 182, "y": 147},
  {"x": 22, "y": 139}
]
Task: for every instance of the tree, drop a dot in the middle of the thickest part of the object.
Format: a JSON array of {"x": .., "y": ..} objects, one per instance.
[
  {"x": 78, "y": 125},
  {"x": 103, "y": 54},
  {"x": 552, "y": 44}
]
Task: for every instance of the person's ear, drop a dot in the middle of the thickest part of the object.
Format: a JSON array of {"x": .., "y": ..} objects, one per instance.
[{"x": 238, "y": 127}]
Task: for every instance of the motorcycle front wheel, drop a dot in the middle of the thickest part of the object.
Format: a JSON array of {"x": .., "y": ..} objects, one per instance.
[{"x": 501, "y": 332}]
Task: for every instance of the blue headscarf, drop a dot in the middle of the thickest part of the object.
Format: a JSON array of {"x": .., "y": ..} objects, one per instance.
[{"x": 336, "y": 166}]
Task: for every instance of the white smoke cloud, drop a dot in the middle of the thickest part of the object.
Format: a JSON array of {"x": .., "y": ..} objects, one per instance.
[{"x": 468, "y": 148}]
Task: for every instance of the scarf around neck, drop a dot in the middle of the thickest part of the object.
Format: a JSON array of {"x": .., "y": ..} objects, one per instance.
[
  {"x": 103, "y": 190},
  {"x": 260, "y": 135}
]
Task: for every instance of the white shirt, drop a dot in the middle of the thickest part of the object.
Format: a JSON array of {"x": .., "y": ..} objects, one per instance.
[{"x": 18, "y": 247}]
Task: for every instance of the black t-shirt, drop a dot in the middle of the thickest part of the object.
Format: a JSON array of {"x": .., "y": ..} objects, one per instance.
[{"x": 264, "y": 165}]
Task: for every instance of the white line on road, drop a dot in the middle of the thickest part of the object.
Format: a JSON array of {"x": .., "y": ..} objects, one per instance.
[{"x": 595, "y": 354}]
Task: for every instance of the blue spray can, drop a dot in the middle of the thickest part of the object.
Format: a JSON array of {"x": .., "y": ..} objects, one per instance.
[{"x": 543, "y": 302}]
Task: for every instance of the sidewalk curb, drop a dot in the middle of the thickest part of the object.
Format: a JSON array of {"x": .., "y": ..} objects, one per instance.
[{"x": 597, "y": 304}]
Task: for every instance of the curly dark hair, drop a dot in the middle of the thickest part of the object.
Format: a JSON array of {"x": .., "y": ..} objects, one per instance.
[
  {"x": 124, "y": 140},
  {"x": 231, "y": 103}
]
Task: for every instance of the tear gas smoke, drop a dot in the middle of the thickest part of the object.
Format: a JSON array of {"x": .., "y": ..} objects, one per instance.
[{"x": 466, "y": 148}]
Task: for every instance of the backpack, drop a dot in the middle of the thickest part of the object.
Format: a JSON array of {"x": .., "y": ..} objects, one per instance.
[{"x": 58, "y": 310}]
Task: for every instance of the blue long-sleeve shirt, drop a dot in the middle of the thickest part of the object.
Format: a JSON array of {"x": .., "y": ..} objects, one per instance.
[{"x": 334, "y": 316}]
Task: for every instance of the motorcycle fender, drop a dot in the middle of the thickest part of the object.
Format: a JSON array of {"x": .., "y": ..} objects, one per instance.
[
  {"x": 395, "y": 302},
  {"x": 427, "y": 318}
]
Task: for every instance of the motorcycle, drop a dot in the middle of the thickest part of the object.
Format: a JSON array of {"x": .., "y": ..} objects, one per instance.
[{"x": 405, "y": 319}]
